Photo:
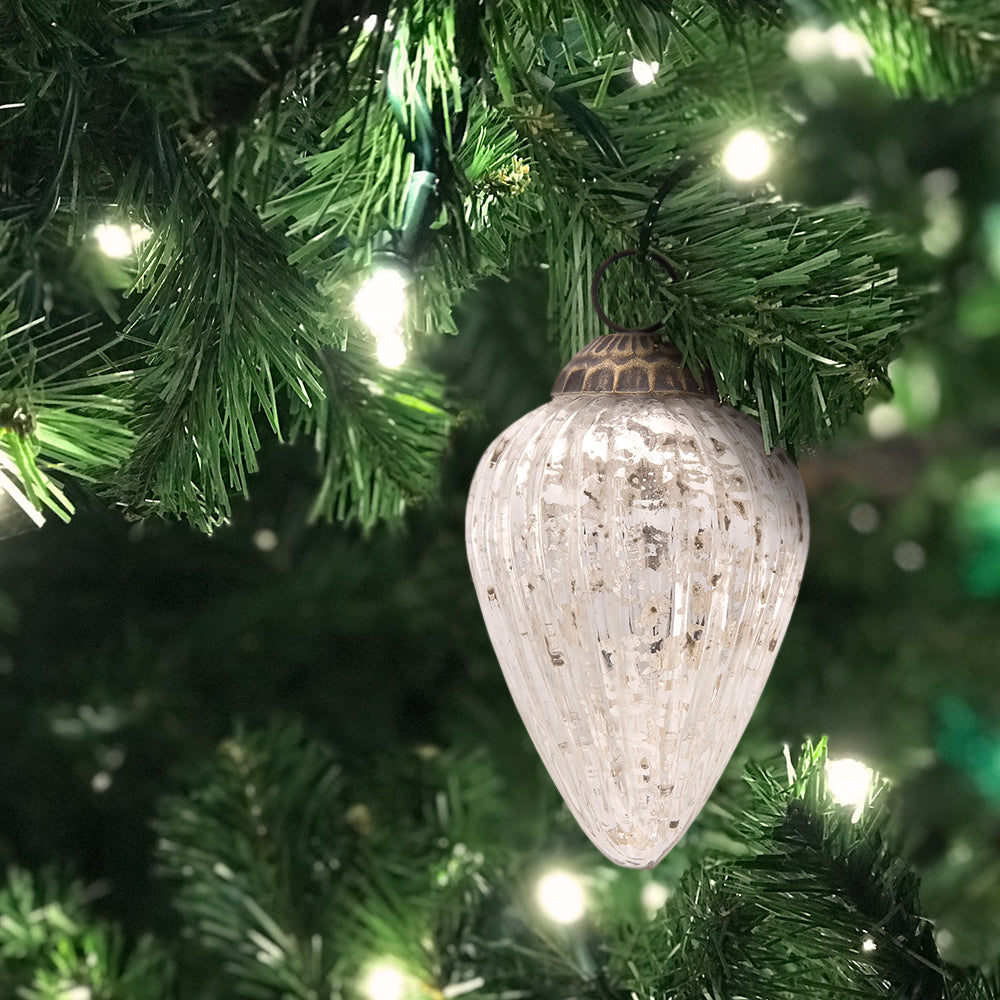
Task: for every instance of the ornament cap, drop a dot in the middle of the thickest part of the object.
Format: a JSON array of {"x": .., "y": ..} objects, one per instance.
[{"x": 630, "y": 362}]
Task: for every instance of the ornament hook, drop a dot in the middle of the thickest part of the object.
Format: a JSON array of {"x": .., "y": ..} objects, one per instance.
[{"x": 595, "y": 298}]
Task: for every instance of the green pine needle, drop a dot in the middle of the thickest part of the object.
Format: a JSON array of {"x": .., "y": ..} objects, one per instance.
[
  {"x": 940, "y": 50},
  {"x": 227, "y": 327},
  {"x": 51, "y": 947},
  {"x": 379, "y": 435}
]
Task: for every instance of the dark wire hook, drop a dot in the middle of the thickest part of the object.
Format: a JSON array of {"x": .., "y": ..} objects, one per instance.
[
  {"x": 673, "y": 179},
  {"x": 595, "y": 287}
]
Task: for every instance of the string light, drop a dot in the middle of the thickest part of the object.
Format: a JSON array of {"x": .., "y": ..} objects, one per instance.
[
  {"x": 384, "y": 981},
  {"x": 747, "y": 156},
  {"x": 561, "y": 897},
  {"x": 371, "y": 22},
  {"x": 120, "y": 241},
  {"x": 460, "y": 989},
  {"x": 654, "y": 897},
  {"x": 76, "y": 993},
  {"x": 812, "y": 44},
  {"x": 381, "y": 300},
  {"x": 644, "y": 72},
  {"x": 390, "y": 349},
  {"x": 849, "y": 782},
  {"x": 864, "y": 518},
  {"x": 381, "y": 304},
  {"x": 868, "y": 943},
  {"x": 909, "y": 556},
  {"x": 885, "y": 420},
  {"x": 265, "y": 540},
  {"x": 101, "y": 781}
]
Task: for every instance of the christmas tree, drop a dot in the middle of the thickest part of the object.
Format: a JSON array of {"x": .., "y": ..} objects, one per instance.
[{"x": 272, "y": 274}]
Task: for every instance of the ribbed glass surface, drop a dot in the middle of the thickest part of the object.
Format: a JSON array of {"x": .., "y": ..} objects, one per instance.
[{"x": 637, "y": 559}]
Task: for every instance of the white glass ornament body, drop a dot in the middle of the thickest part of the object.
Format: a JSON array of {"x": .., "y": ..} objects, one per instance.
[{"x": 637, "y": 557}]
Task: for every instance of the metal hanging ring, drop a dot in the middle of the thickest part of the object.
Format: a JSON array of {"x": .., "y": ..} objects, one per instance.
[{"x": 599, "y": 273}]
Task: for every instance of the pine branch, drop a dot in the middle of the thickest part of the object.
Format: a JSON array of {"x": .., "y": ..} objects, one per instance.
[
  {"x": 51, "y": 947},
  {"x": 763, "y": 286},
  {"x": 211, "y": 66},
  {"x": 379, "y": 435},
  {"x": 257, "y": 852},
  {"x": 58, "y": 410},
  {"x": 816, "y": 903},
  {"x": 823, "y": 907},
  {"x": 227, "y": 327},
  {"x": 940, "y": 50}
]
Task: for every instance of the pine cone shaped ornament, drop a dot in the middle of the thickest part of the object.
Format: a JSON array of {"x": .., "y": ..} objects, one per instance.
[{"x": 637, "y": 556}]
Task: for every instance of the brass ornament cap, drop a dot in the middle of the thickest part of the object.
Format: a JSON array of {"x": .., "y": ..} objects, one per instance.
[{"x": 630, "y": 362}]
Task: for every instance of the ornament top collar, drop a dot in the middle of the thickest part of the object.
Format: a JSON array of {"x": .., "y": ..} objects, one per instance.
[{"x": 630, "y": 363}]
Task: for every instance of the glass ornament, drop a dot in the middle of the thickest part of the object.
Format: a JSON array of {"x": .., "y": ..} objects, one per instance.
[{"x": 637, "y": 555}]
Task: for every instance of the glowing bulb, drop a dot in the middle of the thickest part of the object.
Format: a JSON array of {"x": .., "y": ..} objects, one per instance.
[
  {"x": 370, "y": 23},
  {"x": 381, "y": 301},
  {"x": 644, "y": 72},
  {"x": 849, "y": 782},
  {"x": 561, "y": 897},
  {"x": 810, "y": 44},
  {"x": 101, "y": 781},
  {"x": 120, "y": 241},
  {"x": 384, "y": 981},
  {"x": 747, "y": 156},
  {"x": 265, "y": 540},
  {"x": 654, "y": 897},
  {"x": 390, "y": 349},
  {"x": 850, "y": 46},
  {"x": 868, "y": 943},
  {"x": 885, "y": 420}
]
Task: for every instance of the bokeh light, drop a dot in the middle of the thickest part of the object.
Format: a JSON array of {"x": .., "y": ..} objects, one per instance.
[
  {"x": 384, "y": 980},
  {"x": 561, "y": 897},
  {"x": 849, "y": 782},
  {"x": 747, "y": 156}
]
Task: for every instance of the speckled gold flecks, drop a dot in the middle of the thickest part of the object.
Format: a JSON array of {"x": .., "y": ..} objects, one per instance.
[
  {"x": 630, "y": 362},
  {"x": 637, "y": 557}
]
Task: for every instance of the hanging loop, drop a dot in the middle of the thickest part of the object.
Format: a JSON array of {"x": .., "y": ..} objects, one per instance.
[{"x": 595, "y": 289}]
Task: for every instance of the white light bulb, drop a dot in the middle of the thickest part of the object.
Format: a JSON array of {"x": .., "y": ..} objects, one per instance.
[
  {"x": 644, "y": 72},
  {"x": 76, "y": 993},
  {"x": 561, "y": 897},
  {"x": 850, "y": 782},
  {"x": 265, "y": 540},
  {"x": 371, "y": 22},
  {"x": 747, "y": 156},
  {"x": 885, "y": 420},
  {"x": 384, "y": 981},
  {"x": 101, "y": 781},
  {"x": 850, "y": 46},
  {"x": 120, "y": 241},
  {"x": 868, "y": 943},
  {"x": 654, "y": 896},
  {"x": 810, "y": 44},
  {"x": 390, "y": 350},
  {"x": 381, "y": 301}
]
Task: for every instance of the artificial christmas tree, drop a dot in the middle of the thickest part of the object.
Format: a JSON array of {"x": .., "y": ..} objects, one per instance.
[{"x": 191, "y": 197}]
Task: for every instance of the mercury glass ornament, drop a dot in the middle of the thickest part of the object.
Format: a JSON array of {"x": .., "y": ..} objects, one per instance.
[{"x": 637, "y": 555}]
